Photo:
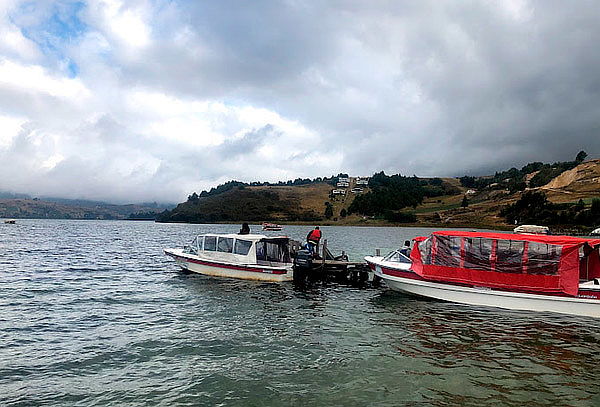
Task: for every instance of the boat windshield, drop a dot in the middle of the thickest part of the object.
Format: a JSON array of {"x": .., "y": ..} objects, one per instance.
[
  {"x": 192, "y": 248},
  {"x": 397, "y": 257}
]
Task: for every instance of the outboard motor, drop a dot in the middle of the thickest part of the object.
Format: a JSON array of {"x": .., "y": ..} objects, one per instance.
[{"x": 303, "y": 263}]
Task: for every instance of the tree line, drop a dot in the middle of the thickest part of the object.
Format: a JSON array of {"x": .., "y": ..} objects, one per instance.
[
  {"x": 534, "y": 208},
  {"x": 389, "y": 194}
]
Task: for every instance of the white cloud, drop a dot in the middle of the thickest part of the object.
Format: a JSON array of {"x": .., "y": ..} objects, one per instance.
[
  {"x": 9, "y": 128},
  {"x": 35, "y": 79},
  {"x": 122, "y": 21}
]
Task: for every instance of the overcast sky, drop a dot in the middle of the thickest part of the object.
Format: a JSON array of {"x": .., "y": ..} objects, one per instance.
[{"x": 149, "y": 100}]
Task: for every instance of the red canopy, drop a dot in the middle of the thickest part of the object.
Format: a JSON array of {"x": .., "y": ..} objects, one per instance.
[{"x": 537, "y": 263}]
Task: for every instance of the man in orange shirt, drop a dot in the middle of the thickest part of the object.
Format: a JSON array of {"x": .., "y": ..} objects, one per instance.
[{"x": 312, "y": 240}]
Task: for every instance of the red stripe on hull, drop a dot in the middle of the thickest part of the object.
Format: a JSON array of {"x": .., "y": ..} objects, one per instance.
[{"x": 226, "y": 266}]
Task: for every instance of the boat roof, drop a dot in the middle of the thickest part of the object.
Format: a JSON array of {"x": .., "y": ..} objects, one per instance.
[
  {"x": 548, "y": 239},
  {"x": 252, "y": 236}
]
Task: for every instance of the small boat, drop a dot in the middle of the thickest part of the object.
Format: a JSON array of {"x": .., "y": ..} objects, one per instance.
[
  {"x": 514, "y": 271},
  {"x": 10, "y": 221},
  {"x": 247, "y": 257},
  {"x": 595, "y": 232},
  {"x": 532, "y": 229},
  {"x": 271, "y": 226}
]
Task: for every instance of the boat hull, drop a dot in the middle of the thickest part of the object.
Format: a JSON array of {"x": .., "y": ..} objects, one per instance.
[
  {"x": 409, "y": 282},
  {"x": 218, "y": 269}
]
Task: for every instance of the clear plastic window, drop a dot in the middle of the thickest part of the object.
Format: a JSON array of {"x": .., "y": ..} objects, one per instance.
[
  {"x": 225, "y": 244},
  {"x": 425, "y": 249},
  {"x": 242, "y": 247},
  {"x": 543, "y": 258},
  {"x": 509, "y": 256},
  {"x": 478, "y": 252},
  {"x": 447, "y": 251},
  {"x": 210, "y": 243}
]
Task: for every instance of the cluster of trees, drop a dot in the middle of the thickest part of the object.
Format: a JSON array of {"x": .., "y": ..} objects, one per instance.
[
  {"x": 328, "y": 210},
  {"x": 389, "y": 194},
  {"x": 534, "y": 207},
  {"x": 514, "y": 179}
]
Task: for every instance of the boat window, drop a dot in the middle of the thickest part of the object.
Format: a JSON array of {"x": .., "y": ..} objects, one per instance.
[
  {"x": 242, "y": 247},
  {"x": 477, "y": 253},
  {"x": 273, "y": 252},
  {"x": 425, "y": 250},
  {"x": 225, "y": 244},
  {"x": 509, "y": 256},
  {"x": 543, "y": 258},
  {"x": 200, "y": 243},
  {"x": 447, "y": 251},
  {"x": 210, "y": 243}
]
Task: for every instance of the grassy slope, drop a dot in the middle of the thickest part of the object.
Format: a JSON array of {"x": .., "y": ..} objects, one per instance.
[{"x": 582, "y": 182}]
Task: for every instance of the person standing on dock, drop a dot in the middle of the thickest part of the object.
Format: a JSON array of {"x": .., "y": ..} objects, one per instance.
[{"x": 312, "y": 240}]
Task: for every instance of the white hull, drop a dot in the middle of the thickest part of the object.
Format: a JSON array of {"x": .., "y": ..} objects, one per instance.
[
  {"x": 494, "y": 298},
  {"x": 243, "y": 272}
]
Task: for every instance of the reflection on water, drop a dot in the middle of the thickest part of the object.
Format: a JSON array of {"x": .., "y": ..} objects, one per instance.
[
  {"x": 94, "y": 313},
  {"x": 486, "y": 354}
]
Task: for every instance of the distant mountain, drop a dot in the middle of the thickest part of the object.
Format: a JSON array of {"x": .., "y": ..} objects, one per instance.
[
  {"x": 57, "y": 208},
  {"x": 569, "y": 191},
  {"x": 241, "y": 203},
  {"x": 10, "y": 195},
  {"x": 313, "y": 202},
  {"x": 571, "y": 188}
]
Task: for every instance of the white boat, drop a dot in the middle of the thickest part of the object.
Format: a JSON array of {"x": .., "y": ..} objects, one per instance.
[
  {"x": 10, "y": 221},
  {"x": 247, "y": 257},
  {"x": 271, "y": 226},
  {"x": 521, "y": 272},
  {"x": 595, "y": 232},
  {"x": 532, "y": 229}
]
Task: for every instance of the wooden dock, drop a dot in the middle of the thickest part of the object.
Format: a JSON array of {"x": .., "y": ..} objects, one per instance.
[{"x": 325, "y": 268}]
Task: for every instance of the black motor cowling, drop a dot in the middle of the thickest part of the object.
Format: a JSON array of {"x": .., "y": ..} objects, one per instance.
[{"x": 303, "y": 259}]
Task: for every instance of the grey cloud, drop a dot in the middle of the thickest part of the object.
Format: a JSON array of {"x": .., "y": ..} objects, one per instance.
[
  {"x": 248, "y": 143},
  {"x": 419, "y": 87}
]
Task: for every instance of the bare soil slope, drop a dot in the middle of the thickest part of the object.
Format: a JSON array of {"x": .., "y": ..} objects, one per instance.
[{"x": 581, "y": 182}]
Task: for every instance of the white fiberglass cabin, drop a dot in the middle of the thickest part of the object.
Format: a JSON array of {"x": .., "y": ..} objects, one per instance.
[{"x": 248, "y": 257}]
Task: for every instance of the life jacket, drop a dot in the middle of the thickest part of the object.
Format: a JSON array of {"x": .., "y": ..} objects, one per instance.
[{"x": 314, "y": 236}]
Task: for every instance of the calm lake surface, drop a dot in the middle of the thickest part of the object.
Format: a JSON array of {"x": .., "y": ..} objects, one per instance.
[{"x": 93, "y": 313}]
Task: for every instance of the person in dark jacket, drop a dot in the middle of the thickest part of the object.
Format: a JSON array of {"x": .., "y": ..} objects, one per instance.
[
  {"x": 245, "y": 230},
  {"x": 312, "y": 240},
  {"x": 405, "y": 250}
]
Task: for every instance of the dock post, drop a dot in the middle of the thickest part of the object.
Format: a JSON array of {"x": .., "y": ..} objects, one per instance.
[{"x": 324, "y": 250}]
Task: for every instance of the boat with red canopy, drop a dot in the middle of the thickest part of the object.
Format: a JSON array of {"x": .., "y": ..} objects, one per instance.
[{"x": 514, "y": 271}]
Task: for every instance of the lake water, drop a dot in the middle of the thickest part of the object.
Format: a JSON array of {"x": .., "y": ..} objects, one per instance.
[{"x": 93, "y": 313}]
